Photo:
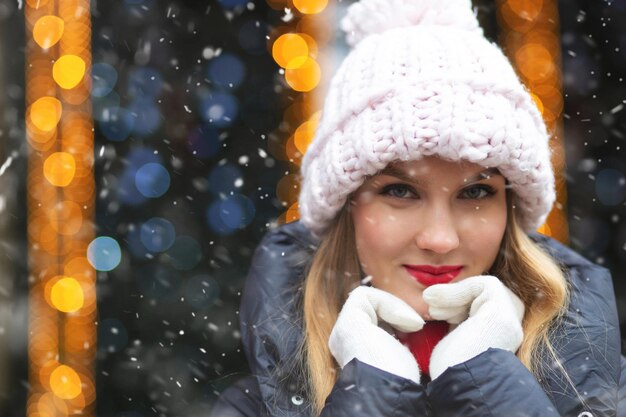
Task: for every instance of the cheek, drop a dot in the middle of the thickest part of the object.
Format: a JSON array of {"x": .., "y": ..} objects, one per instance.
[
  {"x": 483, "y": 235},
  {"x": 377, "y": 234}
]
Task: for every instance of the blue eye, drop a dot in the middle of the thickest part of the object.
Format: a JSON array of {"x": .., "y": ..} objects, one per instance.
[
  {"x": 479, "y": 192},
  {"x": 403, "y": 190}
]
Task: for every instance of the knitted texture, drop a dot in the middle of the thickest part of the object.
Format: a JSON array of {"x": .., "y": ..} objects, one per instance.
[
  {"x": 356, "y": 333},
  {"x": 376, "y": 16},
  {"x": 425, "y": 87},
  {"x": 489, "y": 313}
]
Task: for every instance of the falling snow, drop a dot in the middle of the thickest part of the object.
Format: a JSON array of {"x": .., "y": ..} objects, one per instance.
[{"x": 190, "y": 131}]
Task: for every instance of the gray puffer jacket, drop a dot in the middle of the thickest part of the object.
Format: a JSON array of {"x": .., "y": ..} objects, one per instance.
[{"x": 494, "y": 383}]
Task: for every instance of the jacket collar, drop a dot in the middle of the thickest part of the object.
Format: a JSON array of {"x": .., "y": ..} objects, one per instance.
[{"x": 271, "y": 323}]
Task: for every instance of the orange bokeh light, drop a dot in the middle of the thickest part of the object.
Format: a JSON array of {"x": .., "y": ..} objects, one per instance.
[
  {"x": 531, "y": 37},
  {"x": 45, "y": 113},
  {"x": 51, "y": 406},
  {"x": 526, "y": 9},
  {"x": 310, "y": 6},
  {"x": 80, "y": 266},
  {"x": 65, "y": 382},
  {"x": 59, "y": 169},
  {"x": 304, "y": 78},
  {"x": 60, "y": 134},
  {"x": 38, "y": 139},
  {"x": 311, "y": 44},
  {"x": 67, "y": 295},
  {"x": 68, "y": 71},
  {"x": 48, "y": 30},
  {"x": 537, "y": 101},
  {"x": 81, "y": 190},
  {"x": 79, "y": 336},
  {"x": 66, "y": 217},
  {"x": 290, "y": 50},
  {"x": 84, "y": 158},
  {"x": 293, "y": 154},
  {"x": 535, "y": 62},
  {"x": 544, "y": 229},
  {"x": 305, "y": 132},
  {"x": 36, "y": 4},
  {"x": 293, "y": 213}
]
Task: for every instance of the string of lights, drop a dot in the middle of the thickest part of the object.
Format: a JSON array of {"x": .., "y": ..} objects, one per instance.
[
  {"x": 62, "y": 298},
  {"x": 297, "y": 47},
  {"x": 530, "y": 37}
]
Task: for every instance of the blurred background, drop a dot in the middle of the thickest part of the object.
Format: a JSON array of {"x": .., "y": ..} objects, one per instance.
[{"x": 200, "y": 118}]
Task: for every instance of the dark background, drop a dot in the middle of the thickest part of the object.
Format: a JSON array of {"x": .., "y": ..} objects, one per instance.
[{"x": 168, "y": 319}]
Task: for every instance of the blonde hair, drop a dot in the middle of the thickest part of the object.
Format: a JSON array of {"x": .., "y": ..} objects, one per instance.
[{"x": 334, "y": 271}]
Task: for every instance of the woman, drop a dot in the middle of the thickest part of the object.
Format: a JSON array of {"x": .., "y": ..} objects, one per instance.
[{"x": 414, "y": 283}]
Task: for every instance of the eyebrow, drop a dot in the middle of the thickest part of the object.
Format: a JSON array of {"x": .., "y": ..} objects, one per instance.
[{"x": 399, "y": 173}]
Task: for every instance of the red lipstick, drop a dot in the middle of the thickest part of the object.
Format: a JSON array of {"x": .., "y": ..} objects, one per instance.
[{"x": 428, "y": 275}]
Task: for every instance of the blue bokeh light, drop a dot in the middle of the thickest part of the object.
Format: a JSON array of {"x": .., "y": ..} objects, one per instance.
[
  {"x": 230, "y": 214},
  {"x": 223, "y": 178},
  {"x": 214, "y": 220},
  {"x": 231, "y": 4},
  {"x": 117, "y": 124},
  {"x": 152, "y": 180},
  {"x": 147, "y": 116},
  {"x": 227, "y": 70},
  {"x": 101, "y": 106},
  {"x": 236, "y": 211},
  {"x": 610, "y": 187},
  {"x": 144, "y": 82},
  {"x": 157, "y": 234},
  {"x": 141, "y": 155},
  {"x": 220, "y": 109},
  {"x": 104, "y": 253},
  {"x": 203, "y": 141},
  {"x": 104, "y": 78},
  {"x": 127, "y": 191},
  {"x": 135, "y": 246}
]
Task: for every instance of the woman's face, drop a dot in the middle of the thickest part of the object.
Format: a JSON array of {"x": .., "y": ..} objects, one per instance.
[{"x": 428, "y": 212}]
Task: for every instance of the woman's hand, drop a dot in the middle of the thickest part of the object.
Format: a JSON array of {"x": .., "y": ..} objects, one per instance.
[
  {"x": 356, "y": 333},
  {"x": 495, "y": 319}
]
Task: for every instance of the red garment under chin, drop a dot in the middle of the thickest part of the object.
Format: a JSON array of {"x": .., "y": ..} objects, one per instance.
[{"x": 422, "y": 343}]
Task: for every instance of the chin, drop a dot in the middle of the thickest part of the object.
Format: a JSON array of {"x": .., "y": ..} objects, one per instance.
[{"x": 422, "y": 310}]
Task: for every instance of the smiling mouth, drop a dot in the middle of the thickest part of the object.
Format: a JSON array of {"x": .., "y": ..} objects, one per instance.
[{"x": 427, "y": 278}]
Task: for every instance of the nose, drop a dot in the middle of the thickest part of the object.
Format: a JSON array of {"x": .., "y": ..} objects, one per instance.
[{"x": 437, "y": 231}]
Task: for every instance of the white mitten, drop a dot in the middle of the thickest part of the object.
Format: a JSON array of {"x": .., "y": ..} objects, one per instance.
[
  {"x": 494, "y": 319},
  {"x": 356, "y": 333}
]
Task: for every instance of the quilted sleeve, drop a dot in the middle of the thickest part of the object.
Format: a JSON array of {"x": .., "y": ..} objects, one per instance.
[
  {"x": 365, "y": 391},
  {"x": 495, "y": 384}
]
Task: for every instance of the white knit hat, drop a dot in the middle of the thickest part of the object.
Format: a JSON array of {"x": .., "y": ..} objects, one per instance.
[{"x": 421, "y": 79}]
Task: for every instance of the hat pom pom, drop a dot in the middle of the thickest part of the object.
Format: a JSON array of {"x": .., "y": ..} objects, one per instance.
[{"x": 367, "y": 17}]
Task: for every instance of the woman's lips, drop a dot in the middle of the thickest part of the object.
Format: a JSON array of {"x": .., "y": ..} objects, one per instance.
[{"x": 428, "y": 275}]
